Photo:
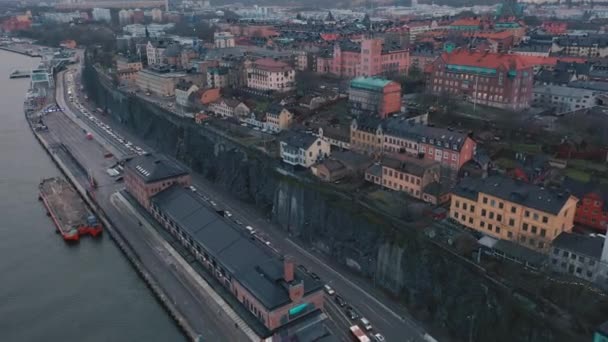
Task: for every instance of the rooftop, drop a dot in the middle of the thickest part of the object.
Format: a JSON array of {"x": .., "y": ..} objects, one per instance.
[
  {"x": 463, "y": 57},
  {"x": 271, "y": 65},
  {"x": 298, "y": 139},
  {"x": 251, "y": 264},
  {"x": 411, "y": 165},
  {"x": 525, "y": 194},
  {"x": 153, "y": 168},
  {"x": 370, "y": 83},
  {"x": 590, "y": 246}
]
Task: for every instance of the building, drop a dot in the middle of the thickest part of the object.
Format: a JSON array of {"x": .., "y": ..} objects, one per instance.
[
  {"x": 582, "y": 256},
  {"x": 592, "y": 207},
  {"x": 404, "y": 173},
  {"x": 341, "y": 164},
  {"x": 157, "y": 15},
  {"x": 128, "y": 63},
  {"x": 161, "y": 81},
  {"x": 147, "y": 175},
  {"x": 125, "y": 16},
  {"x": 102, "y": 14},
  {"x": 155, "y": 51},
  {"x": 555, "y": 27},
  {"x": 369, "y": 58},
  {"x": 563, "y": 99},
  {"x": 223, "y": 40},
  {"x": 511, "y": 210},
  {"x": 398, "y": 135},
  {"x": 267, "y": 74},
  {"x": 205, "y": 96},
  {"x": 582, "y": 46},
  {"x": 374, "y": 96},
  {"x": 335, "y": 136},
  {"x": 278, "y": 118},
  {"x": 218, "y": 77},
  {"x": 302, "y": 149},
  {"x": 492, "y": 79},
  {"x": 226, "y": 107},
  {"x": 183, "y": 90},
  {"x": 273, "y": 290}
]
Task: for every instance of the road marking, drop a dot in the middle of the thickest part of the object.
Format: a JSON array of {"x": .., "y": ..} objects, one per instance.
[
  {"x": 372, "y": 298},
  {"x": 377, "y": 314}
]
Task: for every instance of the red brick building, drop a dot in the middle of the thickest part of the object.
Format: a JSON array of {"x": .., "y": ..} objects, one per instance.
[
  {"x": 147, "y": 175},
  {"x": 555, "y": 27},
  {"x": 491, "y": 79},
  {"x": 375, "y": 96},
  {"x": 592, "y": 207}
]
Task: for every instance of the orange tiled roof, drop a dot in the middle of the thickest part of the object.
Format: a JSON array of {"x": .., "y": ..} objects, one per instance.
[
  {"x": 485, "y": 59},
  {"x": 490, "y": 34},
  {"x": 466, "y": 22}
]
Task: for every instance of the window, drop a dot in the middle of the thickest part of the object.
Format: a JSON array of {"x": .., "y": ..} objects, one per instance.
[
  {"x": 535, "y": 217},
  {"x": 579, "y": 270},
  {"x": 589, "y": 274},
  {"x": 498, "y": 230},
  {"x": 491, "y": 215},
  {"x": 532, "y": 242},
  {"x": 463, "y": 218},
  {"x": 464, "y": 206},
  {"x": 522, "y": 239},
  {"x": 455, "y": 215},
  {"x": 482, "y": 224},
  {"x": 545, "y": 219},
  {"x": 527, "y": 213},
  {"x": 499, "y": 217},
  {"x": 525, "y": 227},
  {"x": 511, "y": 222},
  {"x": 492, "y": 202},
  {"x": 470, "y": 220},
  {"x": 500, "y": 205},
  {"x": 581, "y": 258},
  {"x": 565, "y": 254},
  {"x": 485, "y": 200},
  {"x": 483, "y": 212},
  {"x": 490, "y": 227},
  {"x": 534, "y": 229},
  {"x": 472, "y": 208},
  {"x": 510, "y": 235},
  {"x": 513, "y": 210},
  {"x": 543, "y": 232},
  {"x": 573, "y": 256}
]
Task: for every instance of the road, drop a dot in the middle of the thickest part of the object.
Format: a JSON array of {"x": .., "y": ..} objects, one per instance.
[
  {"x": 387, "y": 316},
  {"x": 184, "y": 292}
]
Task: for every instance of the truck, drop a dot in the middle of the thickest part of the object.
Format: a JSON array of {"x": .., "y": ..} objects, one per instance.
[{"x": 358, "y": 335}]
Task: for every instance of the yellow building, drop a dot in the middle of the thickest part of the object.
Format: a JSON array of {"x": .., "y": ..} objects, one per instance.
[
  {"x": 278, "y": 118},
  {"x": 511, "y": 210}
]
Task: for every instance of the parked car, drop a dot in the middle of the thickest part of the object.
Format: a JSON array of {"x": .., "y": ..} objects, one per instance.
[
  {"x": 303, "y": 268},
  {"x": 365, "y": 324},
  {"x": 329, "y": 290},
  {"x": 377, "y": 337},
  {"x": 315, "y": 276},
  {"x": 250, "y": 229},
  {"x": 340, "y": 301},
  {"x": 351, "y": 313},
  {"x": 227, "y": 213}
]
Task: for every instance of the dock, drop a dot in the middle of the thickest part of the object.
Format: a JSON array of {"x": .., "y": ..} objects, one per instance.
[{"x": 20, "y": 74}]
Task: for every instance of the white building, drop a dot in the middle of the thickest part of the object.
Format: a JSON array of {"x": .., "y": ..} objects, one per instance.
[
  {"x": 303, "y": 149},
  {"x": 157, "y": 82},
  {"x": 157, "y": 15},
  {"x": 270, "y": 75},
  {"x": 223, "y": 40},
  {"x": 183, "y": 90},
  {"x": 155, "y": 52},
  {"x": 125, "y": 16},
  {"x": 229, "y": 108},
  {"x": 155, "y": 30},
  {"x": 102, "y": 14},
  {"x": 563, "y": 99}
]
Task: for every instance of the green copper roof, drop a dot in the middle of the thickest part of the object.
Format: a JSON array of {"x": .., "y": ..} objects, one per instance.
[{"x": 369, "y": 83}]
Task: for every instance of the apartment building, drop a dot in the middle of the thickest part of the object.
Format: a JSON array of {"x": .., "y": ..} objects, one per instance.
[
  {"x": 398, "y": 135},
  {"x": 218, "y": 77},
  {"x": 581, "y": 256},
  {"x": 155, "y": 51},
  {"x": 227, "y": 107},
  {"x": 131, "y": 63},
  {"x": 223, "y": 40},
  {"x": 592, "y": 207},
  {"x": 183, "y": 90},
  {"x": 491, "y": 79},
  {"x": 511, "y": 210},
  {"x": 581, "y": 46},
  {"x": 300, "y": 149},
  {"x": 374, "y": 96},
  {"x": 278, "y": 118},
  {"x": 267, "y": 74},
  {"x": 369, "y": 58},
  {"x": 162, "y": 82},
  {"x": 562, "y": 99},
  {"x": 404, "y": 173}
]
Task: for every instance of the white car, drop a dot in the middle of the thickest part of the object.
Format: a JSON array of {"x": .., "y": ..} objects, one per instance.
[
  {"x": 329, "y": 290},
  {"x": 250, "y": 230},
  {"x": 192, "y": 188},
  {"x": 227, "y": 213}
]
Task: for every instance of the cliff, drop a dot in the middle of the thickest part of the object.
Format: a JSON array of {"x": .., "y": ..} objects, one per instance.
[{"x": 440, "y": 289}]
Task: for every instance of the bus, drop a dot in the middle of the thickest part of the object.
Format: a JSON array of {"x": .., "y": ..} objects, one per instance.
[{"x": 358, "y": 334}]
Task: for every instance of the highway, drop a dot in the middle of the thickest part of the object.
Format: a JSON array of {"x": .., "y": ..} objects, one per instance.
[
  {"x": 387, "y": 316},
  {"x": 182, "y": 289}
]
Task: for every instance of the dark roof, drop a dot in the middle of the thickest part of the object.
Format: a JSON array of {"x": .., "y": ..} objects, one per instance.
[
  {"x": 298, "y": 139},
  {"x": 153, "y": 168},
  {"x": 511, "y": 190},
  {"x": 520, "y": 252},
  {"x": 375, "y": 170},
  {"x": 580, "y": 189},
  {"x": 248, "y": 262},
  {"x": 183, "y": 85},
  {"x": 333, "y": 165},
  {"x": 590, "y": 40},
  {"x": 411, "y": 165},
  {"x": 590, "y": 246},
  {"x": 441, "y": 137},
  {"x": 435, "y": 189},
  {"x": 352, "y": 160},
  {"x": 172, "y": 51}
]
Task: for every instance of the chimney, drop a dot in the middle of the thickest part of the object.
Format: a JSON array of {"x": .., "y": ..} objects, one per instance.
[
  {"x": 288, "y": 269},
  {"x": 296, "y": 291}
]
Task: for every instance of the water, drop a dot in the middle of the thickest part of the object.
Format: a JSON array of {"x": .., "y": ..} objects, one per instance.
[{"x": 50, "y": 291}]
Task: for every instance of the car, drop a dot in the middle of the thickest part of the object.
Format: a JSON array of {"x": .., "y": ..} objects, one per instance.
[
  {"x": 267, "y": 243},
  {"x": 303, "y": 268},
  {"x": 227, "y": 213},
  {"x": 351, "y": 313},
  {"x": 213, "y": 203},
  {"x": 365, "y": 324},
  {"x": 250, "y": 229},
  {"x": 314, "y": 276},
  {"x": 238, "y": 222},
  {"x": 340, "y": 301},
  {"x": 329, "y": 290},
  {"x": 377, "y": 337},
  {"x": 192, "y": 188}
]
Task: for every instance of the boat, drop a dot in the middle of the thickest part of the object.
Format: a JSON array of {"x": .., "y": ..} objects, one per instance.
[
  {"x": 70, "y": 215},
  {"x": 19, "y": 74}
]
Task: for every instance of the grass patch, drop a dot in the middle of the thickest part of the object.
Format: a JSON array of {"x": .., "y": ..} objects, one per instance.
[
  {"x": 578, "y": 175},
  {"x": 527, "y": 148},
  {"x": 587, "y": 165},
  {"x": 506, "y": 163}
]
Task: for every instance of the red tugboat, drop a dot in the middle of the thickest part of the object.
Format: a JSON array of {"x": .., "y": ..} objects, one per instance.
[{"x": 69, "y": 213}]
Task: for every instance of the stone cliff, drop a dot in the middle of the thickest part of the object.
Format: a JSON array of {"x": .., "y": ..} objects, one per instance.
[{"x": 440, "y": 289}]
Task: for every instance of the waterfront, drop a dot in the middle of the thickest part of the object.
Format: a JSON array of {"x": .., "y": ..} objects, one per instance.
[{"x": 51, "y": 291}]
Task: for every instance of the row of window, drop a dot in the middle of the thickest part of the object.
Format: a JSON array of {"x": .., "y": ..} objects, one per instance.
[
  {"x": 402, "y": 176},
  {"x": 572, "y": 269}
]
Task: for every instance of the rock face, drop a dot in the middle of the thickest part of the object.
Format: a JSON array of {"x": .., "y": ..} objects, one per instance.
[{"x": 439, "y": 288}]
